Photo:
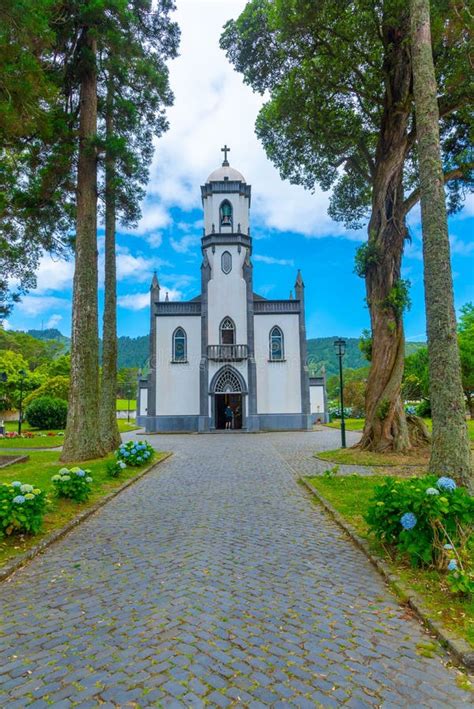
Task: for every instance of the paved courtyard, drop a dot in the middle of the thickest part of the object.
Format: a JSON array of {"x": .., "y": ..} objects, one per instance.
[{"x": 214, "y": 581}]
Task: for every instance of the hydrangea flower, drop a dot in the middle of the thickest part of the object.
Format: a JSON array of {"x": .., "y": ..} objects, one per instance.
[
  {"x": 55, "y": 478},
  {"x": 66, "y": 477},
  {"x": 18, "y": 500},
  {"x": 16, "y": 483},
  {"x": 453, "y": 565},
  {"x": 432, "y": 491},
  {"x": 408, "y": 520},
  {"x": 122, "y": 464},
  {"x": 88, "y": 479},
  {"x": 445, "y": 483},
  {"x": 80, "y": 473},
  {"x": 26, "y": 488},
  {"x": 29, "y": 496},
  {"x": 448, "y": 546},
  {"x": 64, "y": 471},
  {"x": 126, "y": 454}
]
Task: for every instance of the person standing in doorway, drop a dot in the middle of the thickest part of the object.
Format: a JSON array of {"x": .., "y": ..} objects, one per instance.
[{"x": 229, "y": 415}]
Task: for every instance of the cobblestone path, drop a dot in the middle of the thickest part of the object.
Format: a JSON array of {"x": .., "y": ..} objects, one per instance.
[{"x": 213, "y": 581}]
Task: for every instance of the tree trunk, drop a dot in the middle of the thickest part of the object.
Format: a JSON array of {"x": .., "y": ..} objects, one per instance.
[
  {"x": 450, "y": 447},
  {"x": 386, "y": 427},
  {"x": 109, "y": 432},
  {"x": 82, "y": 439}
]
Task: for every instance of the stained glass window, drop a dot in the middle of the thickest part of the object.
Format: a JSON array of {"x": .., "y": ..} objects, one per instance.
[
  {"x": 276, "y": 344},
  {"x": 179, "y": 345}
]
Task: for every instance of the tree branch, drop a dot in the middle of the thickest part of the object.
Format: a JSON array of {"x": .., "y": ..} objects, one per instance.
[{"x": 457, "y": 173}]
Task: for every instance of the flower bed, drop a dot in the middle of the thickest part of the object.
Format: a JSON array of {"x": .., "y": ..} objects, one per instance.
[
  {"x": 430, "y": 521},
  {"x": 135, "y": 452},
  {"x": 75, "y": 484},
  {"x": 22, "y": 508}
]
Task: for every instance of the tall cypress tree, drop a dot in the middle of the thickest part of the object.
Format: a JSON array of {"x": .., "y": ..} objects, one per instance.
[
  {"x": 137, "y": 92},
  {"x": 450, "y": 452}
]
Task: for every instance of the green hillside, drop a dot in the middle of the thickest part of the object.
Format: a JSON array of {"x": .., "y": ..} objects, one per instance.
[{"x": 133, "y": 351}]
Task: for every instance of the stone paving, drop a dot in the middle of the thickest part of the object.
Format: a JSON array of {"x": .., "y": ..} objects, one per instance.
[{"x": 214, "y": 581}]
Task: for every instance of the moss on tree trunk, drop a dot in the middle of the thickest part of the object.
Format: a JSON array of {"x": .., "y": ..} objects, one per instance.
[
  {"x": 109, "y": 432},
  {"x": 450, "y": 447},
  {"x": 82, "y": 438}
]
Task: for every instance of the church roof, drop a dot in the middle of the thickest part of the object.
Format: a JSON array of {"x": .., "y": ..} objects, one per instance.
[{"x": 226, "y": 173}]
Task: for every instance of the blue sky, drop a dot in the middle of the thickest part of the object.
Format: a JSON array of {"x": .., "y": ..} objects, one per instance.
[{"x": 290, "y": 227}]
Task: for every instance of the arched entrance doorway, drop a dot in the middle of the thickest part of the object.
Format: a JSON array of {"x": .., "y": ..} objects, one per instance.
[{"x": 228, "y": 390}]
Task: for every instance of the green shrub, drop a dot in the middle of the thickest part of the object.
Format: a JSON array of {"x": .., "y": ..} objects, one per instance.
[
  {"x": 135, "y": 452},
  {"x": 22, "y": 508},
  {"x": 115, "y": 467},
  {"x": 75, "y": 484},
  {"x": 47, "y": 412},
  {"x": 57, "y": 388},
  {"x": 423, "y": 409},
  {"x": 430, "y": 521}
]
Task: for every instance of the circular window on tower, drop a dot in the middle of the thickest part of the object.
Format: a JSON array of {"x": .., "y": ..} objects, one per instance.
[{"x": 226, "y": 262}]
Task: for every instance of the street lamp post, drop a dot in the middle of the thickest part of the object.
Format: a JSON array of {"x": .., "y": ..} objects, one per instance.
[
  {"x": 22, "y": 374},
  {"x": 3, "y": 380},
  {"x": 340, "y": 346},
  {"x": 128, "y": 403}
]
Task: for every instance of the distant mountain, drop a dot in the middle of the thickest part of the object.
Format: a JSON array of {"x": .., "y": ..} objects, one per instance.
[
  {"x": 134, "y": 351},
  {"x": 321, "y": 352}
]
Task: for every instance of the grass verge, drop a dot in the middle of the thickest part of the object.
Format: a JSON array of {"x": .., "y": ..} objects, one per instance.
[
  {"x": 123, "y": 405},
  {"x": 38, "y": 471},
  {"x": 350, "y": 496},
  {"x": 353, "y": 456},
  {"x": 351, "y": 424}
]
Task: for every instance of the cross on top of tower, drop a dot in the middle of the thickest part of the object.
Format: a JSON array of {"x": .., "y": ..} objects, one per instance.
[{"x": 225, "y": 150}]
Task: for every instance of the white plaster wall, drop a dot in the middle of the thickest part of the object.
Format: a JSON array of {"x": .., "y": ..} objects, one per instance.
[
  {"x": 177, "y": 385},
  {"x": 278, "y": 383},
  {"x": 143, "y": 406},
  {"x": 227, "y": 294},
  {"x": 240, "y": 207},
  {"x": 316, "y": 395}
]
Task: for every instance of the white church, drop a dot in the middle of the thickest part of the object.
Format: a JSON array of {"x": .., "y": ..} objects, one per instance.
[{"x": 228, "y": 352}]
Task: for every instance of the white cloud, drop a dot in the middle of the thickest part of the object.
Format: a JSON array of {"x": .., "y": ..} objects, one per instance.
[
  {"x": 54, "y": 320},
  {"x": 140, "y": 301},
  {"x": 6, "y": 325},
  {"x": 155, "y": 240},
  {"x": 137, "y": 268},
  {"x": 54, "y": 275},
  {"x": 271, "y": 260},
  {"x": 460, "y": 247},
  {"x": 213, "y": 107},
  {"x": 185, "y": 244},
  {"x": 32, "y": 305}
]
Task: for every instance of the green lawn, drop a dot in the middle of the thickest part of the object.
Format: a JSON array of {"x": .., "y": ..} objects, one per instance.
[
  {"x": 124, "y": 425},
  {"x": 41, "y": 439},
  {"x": 350, "y": 495},
  {"x": 122, "y": 404},
  {"x": 351, "y": 424},
  {"x": 358, "y": 425},
  {"x": 354, "y": 456},
  {"x": 38, "y": 471}
]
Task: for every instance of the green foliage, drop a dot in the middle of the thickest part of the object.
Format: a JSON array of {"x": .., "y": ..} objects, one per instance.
[
  {"x": 416, "y": 381},
  {"x": 398, "y": 299},
  {"x": 55, "y": 388},
  {"x": 423, "y": 409},
  {"x": 427, "y": 521},
  {"x": 365, "y": 344},
  {"x": 47, "y": 413},
  {"x": 331, "y": 472},
  {"x": 12, "y": 364},
  {"x": 22, "y": 508},
  {"x": 466, "y": 351},
  {"x": 383, "y": 409},
  {"x": 367, "y": 256},
  {"x": 135, "y": 452},
  {"x": 74, "y": 484},
  {"x": 115, "y": 467}
]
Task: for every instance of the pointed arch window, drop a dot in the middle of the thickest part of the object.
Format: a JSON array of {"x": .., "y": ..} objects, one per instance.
[
  {"x": 180, "y": 345},
  {"x": 226, "y": 262},
  {"x": 277, "y": 345},
  {"x": 226, "y": 213},
  {"x": 227, "y": 332}
]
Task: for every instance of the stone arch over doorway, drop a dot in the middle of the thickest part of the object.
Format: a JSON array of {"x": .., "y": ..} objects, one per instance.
[{"x": 228, "y": 388}]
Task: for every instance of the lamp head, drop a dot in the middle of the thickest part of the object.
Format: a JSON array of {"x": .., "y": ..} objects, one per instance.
[{"x": 340, "y": 344}]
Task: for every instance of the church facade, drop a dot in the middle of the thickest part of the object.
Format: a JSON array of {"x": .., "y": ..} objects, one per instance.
[{"x": 228, "y": 353}]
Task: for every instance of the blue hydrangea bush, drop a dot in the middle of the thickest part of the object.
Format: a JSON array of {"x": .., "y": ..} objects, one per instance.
[
  {"x": 22, "y": 508},
  {"x": 430, "y": 522},
  {"x": 115, "y": 467},
  {"x": 135, "y": 453},
  {"x": 74, "y": 484}
]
